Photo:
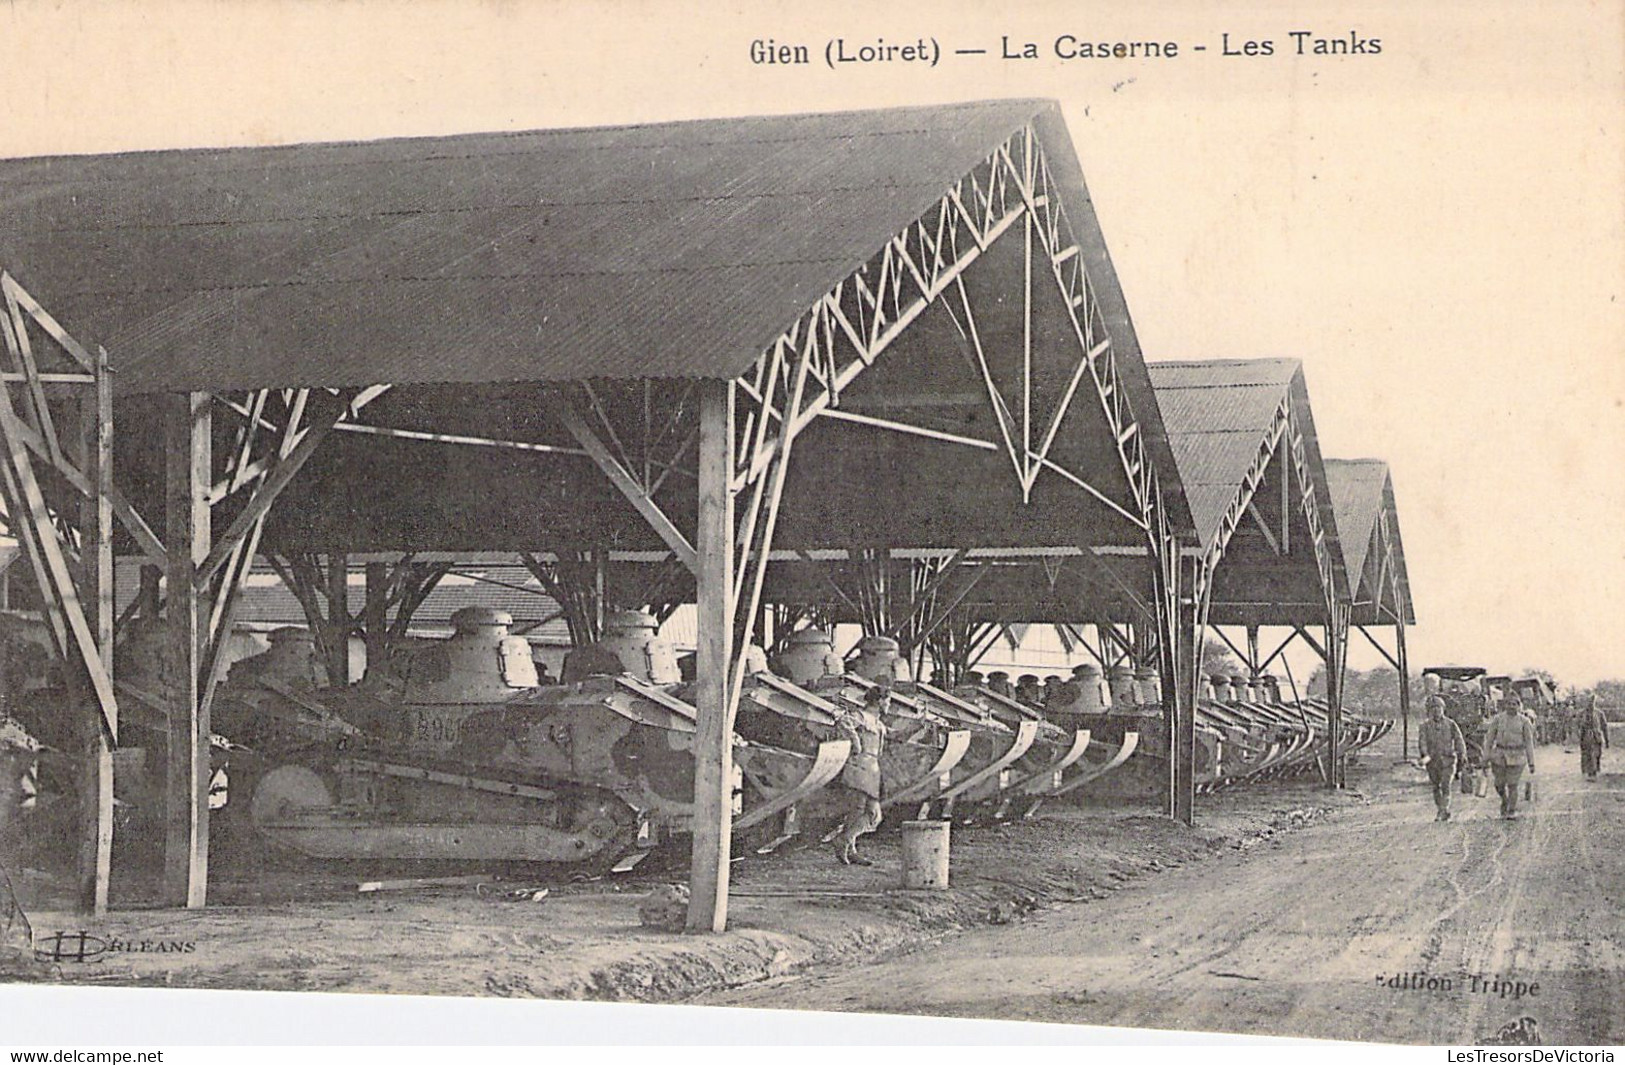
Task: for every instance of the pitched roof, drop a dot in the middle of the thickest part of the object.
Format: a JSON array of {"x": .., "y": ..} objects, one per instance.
[
  {"x": 1357, "y": 486},
  {"x": 672, "y": 250},
  {"x": 1216, "y": 415},
  {"x": 1362, "y": 490}
]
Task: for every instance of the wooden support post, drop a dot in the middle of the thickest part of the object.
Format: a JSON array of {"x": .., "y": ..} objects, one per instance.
[
  {"x": 1187, "y": 655},
  {"x": 96, "y": 559},
  {"x": 713, "y": 736},
  {"x": 338, "y": 619},
  {"x": 187, "y": 536},
  {"x": 1253, "y": 668},
  {"x": 1404, "y": 666},
  {"x": 150, "y": 595},
  {"x": 377, "y": 617},
  {"x": 1336, "y": 656},
  {"x": 1176, "y": 632},
  {"x": 1334, "y": 701}
]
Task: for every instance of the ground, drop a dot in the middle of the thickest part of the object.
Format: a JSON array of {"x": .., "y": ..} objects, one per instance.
[
  {"x": 1323, "y": 933},
  {"x": 1278, "y": 914}
]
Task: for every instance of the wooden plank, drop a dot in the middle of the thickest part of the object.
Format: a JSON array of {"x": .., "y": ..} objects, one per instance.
[
  {"x": 187, "y": 448},
  {"x": 626, "y": 484},
  {"x": 338, "y": 619},
  {"x": 14, "y": 290},
  {"x": 30, "y": 369},
  {"x": 259, "y": 504},
  {"x": 376, "y": 616},
  {"x": 137, "y": 527},
  {"x": 96, "y": 555},
  {"x": 59, "y": 586},
  {"x": 713, "y": 737}
]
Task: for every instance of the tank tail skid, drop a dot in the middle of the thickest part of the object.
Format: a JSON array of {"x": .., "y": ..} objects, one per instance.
[
  {"x": 936, "y": 779},
  {"x": 826, "y": 766},
  {"x": 1092, "y": 771},
  {"x": 991, "y": 781}
]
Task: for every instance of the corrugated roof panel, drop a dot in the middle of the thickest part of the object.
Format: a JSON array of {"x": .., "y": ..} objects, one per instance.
[
  {"x": 669, "y": 250},
  {"x": 1221, "y": 373},
  {"x": 1244, "y": 408},
  {"x": 1217, "y": 415},
  {"x": 1357, "y": 498}
]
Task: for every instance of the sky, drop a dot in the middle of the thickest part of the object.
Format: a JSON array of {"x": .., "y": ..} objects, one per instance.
[{"x": 1436, "y": 230}]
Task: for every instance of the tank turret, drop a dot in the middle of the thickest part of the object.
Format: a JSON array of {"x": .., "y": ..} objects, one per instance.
[
  {"x": 1094, "y": 694},
  {"x": 1120, "y": 680},
  {"x": 480, "y": 663},
  {"x": 632, "y": 637},
  {"x": 291, "y": 660},
  {"x": 810, "y": 659},
  {"x": 879, "y": 661},
  {"x": 1148, "y": 686}
]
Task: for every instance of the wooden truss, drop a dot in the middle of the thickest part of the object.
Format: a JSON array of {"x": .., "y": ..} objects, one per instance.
[
  {"x": 58, "y": 489},
  {"x": 56, "y": 428}
]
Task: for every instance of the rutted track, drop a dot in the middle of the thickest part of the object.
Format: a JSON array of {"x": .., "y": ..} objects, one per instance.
[{"x": 1295, "y": 938}]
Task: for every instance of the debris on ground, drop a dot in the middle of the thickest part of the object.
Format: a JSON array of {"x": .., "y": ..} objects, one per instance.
[{"x": 665, "y": 908}]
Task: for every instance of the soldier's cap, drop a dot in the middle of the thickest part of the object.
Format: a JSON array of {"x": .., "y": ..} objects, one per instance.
[
  {"x": 875, "y": 695},
  {"x": 1433, "y": 700}
]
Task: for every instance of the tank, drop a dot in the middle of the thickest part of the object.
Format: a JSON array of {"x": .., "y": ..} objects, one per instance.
[
  {"x": 291, "y": 659},
  {"x": 474, "y": 760}
]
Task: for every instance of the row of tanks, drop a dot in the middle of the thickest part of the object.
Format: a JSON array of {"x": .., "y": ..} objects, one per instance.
[
  {"x": 456, "y": 750},
  {"x": 1247, "y": 731}
]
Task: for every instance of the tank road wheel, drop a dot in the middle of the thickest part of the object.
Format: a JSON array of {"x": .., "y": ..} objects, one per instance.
[{"x": 288, "y": 791}]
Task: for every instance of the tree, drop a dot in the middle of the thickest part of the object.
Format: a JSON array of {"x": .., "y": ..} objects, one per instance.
[{"x": 1216, "y": 658}]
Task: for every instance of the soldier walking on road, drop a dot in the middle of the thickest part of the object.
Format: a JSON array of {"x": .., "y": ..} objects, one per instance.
[
  {"x": 1510, "y": 744},
  {"x": 1443, "y": 750},
  {"x": 1593, "y": 738}
]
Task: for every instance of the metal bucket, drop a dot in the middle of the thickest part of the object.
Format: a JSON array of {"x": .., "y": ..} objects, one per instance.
[{"x": 925, "y": 854}]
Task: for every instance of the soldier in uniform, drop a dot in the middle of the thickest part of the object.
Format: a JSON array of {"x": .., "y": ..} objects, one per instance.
[
  {"x": 866, "y": 730},
  {"x": 1593, "y": 738},
  {"x": 1443, "y": 750},
  {"x": 1509, "y": 742}
]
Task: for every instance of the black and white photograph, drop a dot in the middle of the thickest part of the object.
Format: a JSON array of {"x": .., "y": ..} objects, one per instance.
[{"x": 1102, "y": 521}]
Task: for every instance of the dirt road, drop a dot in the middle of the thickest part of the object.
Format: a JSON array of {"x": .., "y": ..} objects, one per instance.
[{"x": 1324, "y": 933}]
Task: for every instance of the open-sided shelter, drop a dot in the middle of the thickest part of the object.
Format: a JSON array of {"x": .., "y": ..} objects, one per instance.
[
  {"x": 1363, "y": 498},
  {"x": 558, "y": 341}
]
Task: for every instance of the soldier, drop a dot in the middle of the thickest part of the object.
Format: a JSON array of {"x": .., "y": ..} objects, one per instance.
[
  {"x": 1028, "y": 691},
  {"x": 1509, "y": 742},
  {"x": 1443, "y": 750},
  {"x": 1593, "y": 738},
  {"x": 866, "y": 729}
]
